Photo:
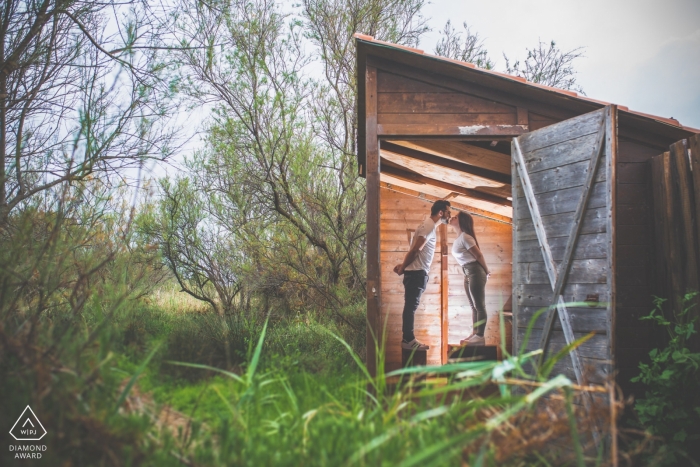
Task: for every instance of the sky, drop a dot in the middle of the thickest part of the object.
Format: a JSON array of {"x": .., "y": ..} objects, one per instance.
[{"x": 644, "y": 54}]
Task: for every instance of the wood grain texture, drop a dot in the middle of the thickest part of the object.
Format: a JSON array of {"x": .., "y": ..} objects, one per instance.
[
  {"x": 371, "y": 143},
  {"x": 462, "y": 152}
]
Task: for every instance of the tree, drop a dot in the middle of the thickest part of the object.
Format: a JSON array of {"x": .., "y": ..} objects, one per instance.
[
  {"x": 279, "y": 168},
  {"x": 81, "y": 93},
  {"x": 549, "y": 66},
  {"x": 468, "y": 49}
]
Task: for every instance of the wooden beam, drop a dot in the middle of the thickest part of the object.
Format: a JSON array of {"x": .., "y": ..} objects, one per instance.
[
  {"x": 374, "y": 327},
  {"x": 468, "y": 192},
  {"x": 444, "y": 292},
  {"x": 409, "y": 129},
  {"x": 461, "y": 207},
  {"x": 447, "y": 163}
]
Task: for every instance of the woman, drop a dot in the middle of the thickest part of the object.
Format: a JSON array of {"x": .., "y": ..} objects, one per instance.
[{"x": 467, "y": 253}]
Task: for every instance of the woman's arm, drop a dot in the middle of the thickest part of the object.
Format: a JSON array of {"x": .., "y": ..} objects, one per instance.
[{"x": 476, "y": 253}]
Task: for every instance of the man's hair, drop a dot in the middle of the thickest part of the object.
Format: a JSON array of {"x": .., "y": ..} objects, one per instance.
[{"x": 439, "y": 205}]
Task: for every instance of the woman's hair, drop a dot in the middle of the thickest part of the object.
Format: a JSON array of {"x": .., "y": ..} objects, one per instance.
[{"x": 466, "y": 224}]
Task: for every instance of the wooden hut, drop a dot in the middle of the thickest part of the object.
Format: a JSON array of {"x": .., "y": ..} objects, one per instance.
[{"x": 559, "y": 184}]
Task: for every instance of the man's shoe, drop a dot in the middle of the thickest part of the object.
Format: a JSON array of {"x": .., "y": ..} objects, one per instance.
[
  {"x": 475, "y": 339},
  {"x": 414, "y": 345}
]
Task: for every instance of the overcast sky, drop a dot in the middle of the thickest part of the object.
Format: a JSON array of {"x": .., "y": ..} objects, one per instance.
[{"x": 644, "y": 54}]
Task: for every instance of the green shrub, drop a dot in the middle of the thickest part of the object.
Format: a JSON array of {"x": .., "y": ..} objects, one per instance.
[{"x": 671, "y": 404}]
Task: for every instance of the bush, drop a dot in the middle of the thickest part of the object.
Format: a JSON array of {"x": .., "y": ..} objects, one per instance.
[{"x": 671, "y": 404}]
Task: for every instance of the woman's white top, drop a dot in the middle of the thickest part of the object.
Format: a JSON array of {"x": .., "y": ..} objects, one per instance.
[{"x": 460, "y": 249}]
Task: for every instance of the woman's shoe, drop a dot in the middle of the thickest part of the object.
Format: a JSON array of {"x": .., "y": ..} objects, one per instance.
[
  {"x": 464, "y": 341},
  {"x": 475, "y": 339}
]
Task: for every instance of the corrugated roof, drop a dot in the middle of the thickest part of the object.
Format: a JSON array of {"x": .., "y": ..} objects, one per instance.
[{"x": 669, "y": 121}]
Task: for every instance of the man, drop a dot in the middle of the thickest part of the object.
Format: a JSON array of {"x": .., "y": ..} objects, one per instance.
[{"x": 416, "y": 267}]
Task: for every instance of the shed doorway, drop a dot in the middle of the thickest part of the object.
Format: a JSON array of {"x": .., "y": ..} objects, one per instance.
[{"x": 550, "y": 245}]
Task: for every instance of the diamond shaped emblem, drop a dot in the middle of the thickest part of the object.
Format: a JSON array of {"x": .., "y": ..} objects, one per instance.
[{"x": 28, "y": 427}]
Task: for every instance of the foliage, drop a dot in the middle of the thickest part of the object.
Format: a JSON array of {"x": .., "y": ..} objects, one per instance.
[
  {"x": 671, "y": 403},
  {"x": 82, "y": 92},
  {"x": 550, "y": 66},
  {"x": 470, "y": 49}
]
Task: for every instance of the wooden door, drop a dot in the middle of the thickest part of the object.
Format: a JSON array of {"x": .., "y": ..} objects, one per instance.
[{"x": 563, "y": 241}]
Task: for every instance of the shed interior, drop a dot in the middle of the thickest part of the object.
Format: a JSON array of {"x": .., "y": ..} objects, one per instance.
[{"x": 414, "y": 173}]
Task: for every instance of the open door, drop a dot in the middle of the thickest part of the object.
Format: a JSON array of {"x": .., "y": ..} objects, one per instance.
[{"x": 563, "y": 241}]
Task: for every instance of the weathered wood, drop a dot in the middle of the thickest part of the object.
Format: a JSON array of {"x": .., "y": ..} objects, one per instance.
[
  {"x": 573, "y": 128},
  {"x": 429, "y": 191},
  {"x": 404, "y": 130},
  {"x": 686, "y": 204},
  {"x": 563, "y": 177},
  {"x": 584, "y": 320},
  {"x": 444, "y": 290},
  {"x": 611, "y": 175},
  {"x": 588, "y": 247},
  {"x": 560, "y": 154},
  {"x": 391, "y": 192},
  {"x": 563, "y": 272},
  {"x": 595, "y": 221},
  {"x": 541, "y": 295},
  {"x": 420, "y": 168},
  {"x": 462, "y": 167},
  {"x": 587, "y": 271},
  {"x": 437, "y": 103},
  {"x": 462, "y": 152},
  {"x": 532, "y": 203},
  {"x": 390, "y": 82},
  {"x": 446, "y": 119},
  {"x": 595, "y": 347},
  {"x": 374, "y": 324},
  {"x": 468, "y": 192},
  {"x": 566, "y": 200}
]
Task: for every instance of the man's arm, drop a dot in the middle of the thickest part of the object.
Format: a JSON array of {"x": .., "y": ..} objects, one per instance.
[{"x": 418, "y": 244}]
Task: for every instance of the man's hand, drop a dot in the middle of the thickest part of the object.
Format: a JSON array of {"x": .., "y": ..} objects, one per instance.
[{"x": 398, "y": 269}]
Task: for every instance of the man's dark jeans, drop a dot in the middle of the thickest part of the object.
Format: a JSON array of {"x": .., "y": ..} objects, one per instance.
[{"x": 414, "y": 284}]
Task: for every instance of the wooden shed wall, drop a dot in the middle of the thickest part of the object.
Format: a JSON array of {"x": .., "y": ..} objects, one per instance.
[
  {"x": 407, "y": 106},
  {"x": 399, "y": 213},
  {"x": 634, "y": 259}
]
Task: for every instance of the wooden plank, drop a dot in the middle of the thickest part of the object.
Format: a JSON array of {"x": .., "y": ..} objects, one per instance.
[
  {"x": 563, "y": 272},
  {"x": 532, "y": 203},
  {"x": 588, "y": 247},
  {"x": 447, "y": 163},
  {"x": 399, "y": 191},
  {"x": 661, "y": 233},
  {"x": 456, "y": 119},
  {"x": 404, "y": 130},
  {"x": 573, "y": 128},
  {"x": 374, "y": 325},
  {"x": 584, "y": 320},
  {"x": 595, "y": 347},
  {"x": 611, "y": 240},
  {"x": 425, "y": 190},
  {"x": 518, "y": 231},
  {"x": 566, "y": 200},
  {"x": 563, "y": 177},
  {"x": 595, "y": 221},
  {"x": 686, "y": 203},
  {"x": 390, "y": 82},
  {"x": 437, "y": 103},
  {"x": 437, "y": 172},
  {"x": 444, "y": 291},
  {"x": 462, "y": 152},
  {"x": 468, "y": 192},
  {"x": 587, "y": 271},
  {"x": 541, "y": 295}
]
